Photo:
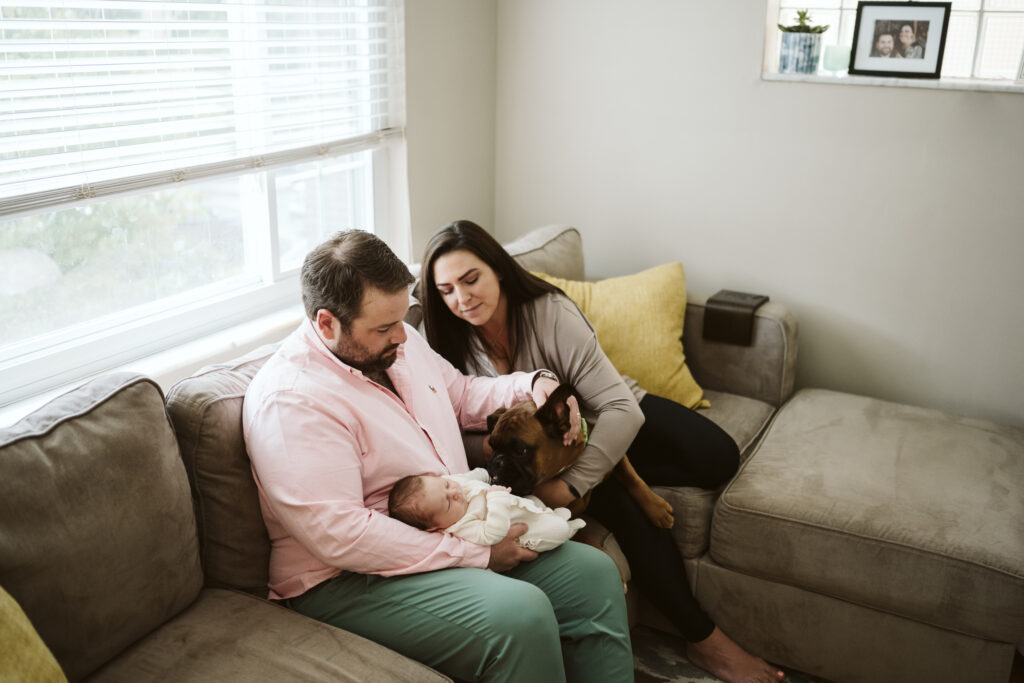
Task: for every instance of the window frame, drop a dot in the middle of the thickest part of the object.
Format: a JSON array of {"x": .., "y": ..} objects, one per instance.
[{"x": 86, "y": 349}]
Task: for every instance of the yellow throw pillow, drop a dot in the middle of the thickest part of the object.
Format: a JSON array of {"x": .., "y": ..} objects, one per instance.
[
  {"x": 639, "y": 324},
  {"x": 25, "y": 656}
]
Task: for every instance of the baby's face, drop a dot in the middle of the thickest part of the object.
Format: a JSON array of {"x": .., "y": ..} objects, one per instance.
[{"x": 441, "y": 501}]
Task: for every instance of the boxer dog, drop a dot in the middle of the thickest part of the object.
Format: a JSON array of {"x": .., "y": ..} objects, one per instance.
[{"x": 528, "y": 449}]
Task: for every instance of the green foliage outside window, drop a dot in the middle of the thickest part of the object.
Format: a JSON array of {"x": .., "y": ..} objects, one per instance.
[{"x": 70, "y": 266}]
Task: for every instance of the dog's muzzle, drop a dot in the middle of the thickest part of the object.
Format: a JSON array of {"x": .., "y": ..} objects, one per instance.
[{"x": 513, "y": 472}]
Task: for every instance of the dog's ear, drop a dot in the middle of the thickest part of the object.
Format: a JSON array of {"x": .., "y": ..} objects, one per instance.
[
  {"x": 492, "y": 419},
  {"x": 554, "y": 414}
]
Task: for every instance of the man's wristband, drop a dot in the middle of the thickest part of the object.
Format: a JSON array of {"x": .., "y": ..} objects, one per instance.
[{"x": 543, "y": 373}]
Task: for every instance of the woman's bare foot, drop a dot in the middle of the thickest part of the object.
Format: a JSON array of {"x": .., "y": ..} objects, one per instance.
[{"x": 720, "y": 656}]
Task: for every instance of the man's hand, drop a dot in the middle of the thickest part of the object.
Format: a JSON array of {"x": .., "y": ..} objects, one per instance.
[
  {"x": 542, "y": 388},
  {"x": 506, "y": 553}
]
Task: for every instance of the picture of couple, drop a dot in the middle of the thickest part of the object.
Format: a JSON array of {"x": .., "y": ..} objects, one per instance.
[
  {"x": 904, "y": 39},
  {"x": 900, "y": 39}
]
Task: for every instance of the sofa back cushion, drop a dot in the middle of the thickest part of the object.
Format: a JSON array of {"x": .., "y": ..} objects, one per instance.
[
  {"x": 206, "y": 410},
  {"x": 554, "y": 249},
  {"x": 97, "y": 534}
]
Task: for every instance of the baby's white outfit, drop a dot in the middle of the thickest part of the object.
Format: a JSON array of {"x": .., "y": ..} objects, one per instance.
[{"x": 493, "y": 509}]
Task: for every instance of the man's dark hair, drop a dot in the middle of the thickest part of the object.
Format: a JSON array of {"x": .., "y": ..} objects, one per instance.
[
  {"x": 399, "y": 498},
  {"x": 337, "y": 272}
]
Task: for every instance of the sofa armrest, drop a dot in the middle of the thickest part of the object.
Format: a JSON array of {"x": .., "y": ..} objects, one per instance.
[{"x": 765, "y": 370}]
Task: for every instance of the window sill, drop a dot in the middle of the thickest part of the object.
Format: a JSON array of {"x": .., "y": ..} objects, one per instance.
[
  {"x": 172, "y": 365},
  {"x": 927, "y": 83}
]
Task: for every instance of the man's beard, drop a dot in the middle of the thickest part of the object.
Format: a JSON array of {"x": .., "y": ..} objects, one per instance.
[{"x": 355, "y": 355}]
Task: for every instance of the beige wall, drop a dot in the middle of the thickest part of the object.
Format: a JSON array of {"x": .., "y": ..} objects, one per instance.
[
  {"x": 450, "y": 99},
  {"x": 889, "y": 219}
]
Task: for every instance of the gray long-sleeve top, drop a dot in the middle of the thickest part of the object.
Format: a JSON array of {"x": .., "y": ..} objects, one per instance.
[{"x": 565, "y": 343}]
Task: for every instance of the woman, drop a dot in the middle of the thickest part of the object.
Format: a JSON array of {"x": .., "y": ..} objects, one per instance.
[
  {"x": 487, "y": 315},
  {"x": 908, "y": 42}
]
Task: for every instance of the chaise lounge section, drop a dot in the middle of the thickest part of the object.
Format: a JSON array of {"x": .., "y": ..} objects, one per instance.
[{"x": 865, "y": 540}]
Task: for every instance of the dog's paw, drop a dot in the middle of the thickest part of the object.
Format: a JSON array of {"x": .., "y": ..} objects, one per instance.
[{"x": 659, "y": 512}]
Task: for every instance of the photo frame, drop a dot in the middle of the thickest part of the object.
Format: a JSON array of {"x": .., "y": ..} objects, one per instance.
[{"x": 899, "y": 39}]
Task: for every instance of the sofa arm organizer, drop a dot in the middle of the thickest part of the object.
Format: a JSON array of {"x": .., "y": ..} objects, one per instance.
[{"x": 729, "y": 316}]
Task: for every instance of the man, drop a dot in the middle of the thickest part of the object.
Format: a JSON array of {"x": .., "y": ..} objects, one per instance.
[
  {"x": 884, "y": 45},
  {"x": 352, "y": 401}
]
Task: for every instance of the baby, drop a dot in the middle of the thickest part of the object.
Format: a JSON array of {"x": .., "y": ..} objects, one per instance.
[{"x": 468, "y": 506}]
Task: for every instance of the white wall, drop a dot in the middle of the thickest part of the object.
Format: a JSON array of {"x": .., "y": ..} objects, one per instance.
[
  {"x": 450, "y": 99},
  {"x": 889, "y": 219}
]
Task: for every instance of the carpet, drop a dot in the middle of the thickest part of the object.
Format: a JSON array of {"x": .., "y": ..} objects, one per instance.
[{"x": 659, "y": 657}]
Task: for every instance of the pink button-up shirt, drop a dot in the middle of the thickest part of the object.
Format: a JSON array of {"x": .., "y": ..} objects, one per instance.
[{"x": 327, "y": 444}]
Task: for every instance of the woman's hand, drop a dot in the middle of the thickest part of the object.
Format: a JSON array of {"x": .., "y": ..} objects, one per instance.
[{"x": 542, "y": 388}]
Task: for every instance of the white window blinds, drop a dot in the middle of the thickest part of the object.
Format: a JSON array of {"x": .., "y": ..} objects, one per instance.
[{"x": 99, "y": 97}]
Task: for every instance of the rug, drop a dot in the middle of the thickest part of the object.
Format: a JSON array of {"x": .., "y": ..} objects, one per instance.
[{"x": 659, "y": 657}]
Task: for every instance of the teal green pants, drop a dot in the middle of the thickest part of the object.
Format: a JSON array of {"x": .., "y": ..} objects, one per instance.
[{"x": 560, "y": 617}]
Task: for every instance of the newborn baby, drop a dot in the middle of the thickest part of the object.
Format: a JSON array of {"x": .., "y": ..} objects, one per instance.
[{"x": 468, "y": 506}]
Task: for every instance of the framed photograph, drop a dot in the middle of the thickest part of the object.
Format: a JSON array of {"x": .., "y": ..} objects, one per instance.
[{"x": 901, "y": 39}]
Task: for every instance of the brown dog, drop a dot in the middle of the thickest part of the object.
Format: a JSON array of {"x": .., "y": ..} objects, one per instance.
[{"x": 528, "y": 449}]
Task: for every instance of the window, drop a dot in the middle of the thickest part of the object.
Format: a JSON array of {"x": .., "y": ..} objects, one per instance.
[
  {"x": 165, "y": 166},
  {"x": 985, "y": 39}
]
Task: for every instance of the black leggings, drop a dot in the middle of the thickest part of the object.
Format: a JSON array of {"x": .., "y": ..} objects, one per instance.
[{"x": 676, "y": 446}]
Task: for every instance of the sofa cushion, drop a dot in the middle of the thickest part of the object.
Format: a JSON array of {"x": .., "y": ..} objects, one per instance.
[
  {"x": 744, "y": 419},
  {"x": 97, "y": 534},
  {"x": 206, "y": 410},
  {"x": 231, "y": 636},
  {"x": 907, "y": 510},
  {"x": 639, "y": 323},
  {"x": 693, "y": 508}
]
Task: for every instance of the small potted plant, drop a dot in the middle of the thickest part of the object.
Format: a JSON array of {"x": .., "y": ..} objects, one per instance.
[{"x": 801, "y": 45}]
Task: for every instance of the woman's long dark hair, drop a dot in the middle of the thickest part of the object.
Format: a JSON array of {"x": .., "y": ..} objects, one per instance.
[{"x": 450, "y": 335}]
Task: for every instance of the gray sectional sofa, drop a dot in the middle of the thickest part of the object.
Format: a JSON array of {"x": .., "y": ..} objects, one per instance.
[{"x": 860, "y": 541}]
